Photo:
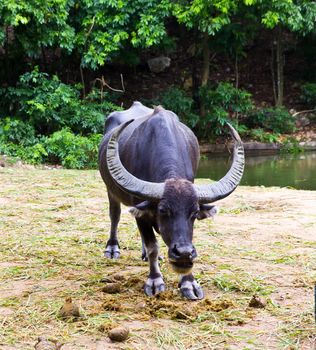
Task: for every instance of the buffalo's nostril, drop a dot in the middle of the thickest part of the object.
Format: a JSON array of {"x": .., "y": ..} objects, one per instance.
[
  {"x": 193, "y": 253},
  {"x": 175, "y": 252},
  {"x": 182, "y": 252}
]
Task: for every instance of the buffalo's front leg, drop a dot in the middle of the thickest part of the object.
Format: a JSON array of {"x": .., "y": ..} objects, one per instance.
[
  {"x": 154, "y": 283},
  {"x": 112, "y": 249},
  {"x": 144, "y": 252},
  {"x": 189, "y": 288}
]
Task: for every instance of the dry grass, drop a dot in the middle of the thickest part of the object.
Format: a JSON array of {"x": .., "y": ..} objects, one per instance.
[{"x": 53, "y": 228}]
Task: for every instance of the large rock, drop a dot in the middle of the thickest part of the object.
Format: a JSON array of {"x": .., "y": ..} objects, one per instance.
[
  {"x": 301, "y": 121},
  {"x": 159, "y": 64}
]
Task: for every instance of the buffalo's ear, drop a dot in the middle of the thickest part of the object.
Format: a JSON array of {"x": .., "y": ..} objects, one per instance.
[
  {"x": 142, "y": 209},
  {"x": 207, "y": 211}
]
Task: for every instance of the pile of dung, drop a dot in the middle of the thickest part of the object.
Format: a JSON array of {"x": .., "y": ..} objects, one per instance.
[
  {"x": 123, "y": 282},
  {"x": 112, "y": 303},
  {"x": 164, "y": 305},
  {"x": 169, "y": 304},
  {"x": 134, "y": 282},
  {"x": 216, "y": 305}
]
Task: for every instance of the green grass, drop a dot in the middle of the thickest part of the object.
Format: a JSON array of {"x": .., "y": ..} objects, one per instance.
[
  {"x": 241, "y": 282},
  {"x": 54, "y": 227}
]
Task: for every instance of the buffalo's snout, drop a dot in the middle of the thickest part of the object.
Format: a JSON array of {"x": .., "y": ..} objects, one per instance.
[
  {"x": 185, "y": 252},
  {"x": 181, "y": 257}
]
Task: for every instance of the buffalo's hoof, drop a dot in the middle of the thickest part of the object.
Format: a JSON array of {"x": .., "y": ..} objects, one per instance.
[
  {"x": 112, "y": 252},
  {"x": 154, "y": 286},
  {"x": 190, "y": 289}
]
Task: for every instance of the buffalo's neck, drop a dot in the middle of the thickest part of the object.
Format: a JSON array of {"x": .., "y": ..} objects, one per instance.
[
  {"x": 163, "y": 150},
  {"x": 174, "y": 171}
]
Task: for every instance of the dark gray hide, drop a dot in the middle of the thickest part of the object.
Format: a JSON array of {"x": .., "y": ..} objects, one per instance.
[{"x": 148, "y": 160}]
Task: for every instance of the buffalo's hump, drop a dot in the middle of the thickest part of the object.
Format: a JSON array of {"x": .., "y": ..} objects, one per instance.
[{"x": 156, "y": 146}]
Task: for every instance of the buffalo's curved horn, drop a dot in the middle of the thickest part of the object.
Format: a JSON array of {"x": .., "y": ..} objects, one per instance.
[
  {"x": 226, "y": 185},
  {"x": 126, "y": 181}
]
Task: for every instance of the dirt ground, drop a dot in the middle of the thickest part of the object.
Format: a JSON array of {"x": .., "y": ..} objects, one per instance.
[{"x": 54, "y": 224}]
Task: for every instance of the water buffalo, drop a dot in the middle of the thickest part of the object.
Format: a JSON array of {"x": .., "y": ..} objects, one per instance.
[{"x": 148, "y": 160}]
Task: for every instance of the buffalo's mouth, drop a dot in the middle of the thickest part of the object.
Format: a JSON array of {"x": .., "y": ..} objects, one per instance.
[{"x": 181, "y": 267}]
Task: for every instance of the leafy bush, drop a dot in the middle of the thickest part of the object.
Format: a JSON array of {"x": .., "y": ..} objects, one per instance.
[
  {"x": 48, "y": 122},
  {"x": 72, "y": 151},
  {"x": 32, "y": 154},
  {"x": 222, "y": 103},
  {"x": 62, "y": 147},
  {"x": 308, "y": 95},
  {"x": 16, "y": 131},
  {"x": 17, "y": 139},
  {"x": 228, "y": 97},
  {"x": 49, "y": 105},
  {"x": 275, "y": 119},
  {"x": 264, "y": 136},
  {"x": 35, "y": 154},
  {"x": 291, "y": 145},
  {"x": 177, "y": 101}
]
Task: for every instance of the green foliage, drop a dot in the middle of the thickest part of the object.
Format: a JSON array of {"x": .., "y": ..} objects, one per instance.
[
  {"x": 106, "y": 27},
  {"x": 308, "y": 95},
  {"x": 16, "y": 131},
  {"x": 227, "y": 96},
  {"x": 62, "y": 147},
  {"x": 72, "y": 151},
  {"x": 277, "y": 120},
  {"x": 37, "y": 24},
  {"x": 263, "y": 136},
  {"x": 50, "y": 123},
  {"x": 242, "y": 129},
  {"x": 49, "y": 105},
  {"x": 298, "y": 16},
  {"x": 41, "y": 116},
  {"x": 222, "y": 103},
  {"x": 291, "y": 145},
  {"x": 32, "y": 154},
  {"x": 207, "y": 16},
  {"x": 35, "y": 154},
  {"x": 180, "y": 103}
]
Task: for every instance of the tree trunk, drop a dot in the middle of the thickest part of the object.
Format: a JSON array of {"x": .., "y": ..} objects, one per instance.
[
  {"x": 6, "y": 56},
  {"x": 194, "y": 73},
  {"x": 206, "y": 60},
  {"x": 236, "y": 72},
  {"x": 83, "y": 82},
  {"x": 280, "y": 68},
  {"x": 205, "y": 67},
  {"x": 44, "y": 60},
  {"x": 236, "y": 83},
  {"x": 273, "y": 74}
]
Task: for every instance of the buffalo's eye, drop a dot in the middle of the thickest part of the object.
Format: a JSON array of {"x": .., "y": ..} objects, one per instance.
[{"x": 163, "y": 211}]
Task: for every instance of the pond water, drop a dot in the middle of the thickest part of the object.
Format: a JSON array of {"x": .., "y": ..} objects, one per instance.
[{"x": 297, "y": 171}]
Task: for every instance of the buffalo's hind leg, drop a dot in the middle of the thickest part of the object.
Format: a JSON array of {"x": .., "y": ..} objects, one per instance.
[
  {"x": 112, "y": 250},
  {"x": 154, "y": 283}
]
